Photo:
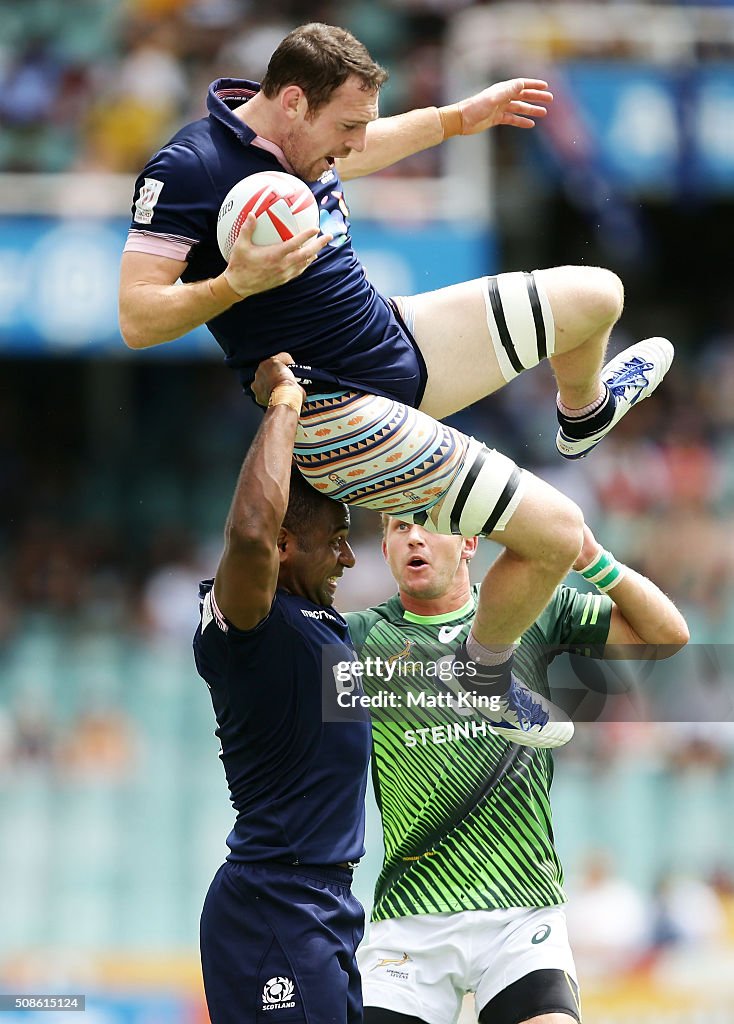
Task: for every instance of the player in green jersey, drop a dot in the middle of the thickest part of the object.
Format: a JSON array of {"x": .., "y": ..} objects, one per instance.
[{"x": 469, "y": 898}]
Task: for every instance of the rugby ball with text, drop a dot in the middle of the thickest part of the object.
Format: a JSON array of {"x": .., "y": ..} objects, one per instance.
[{"x": 283, "y": 204}]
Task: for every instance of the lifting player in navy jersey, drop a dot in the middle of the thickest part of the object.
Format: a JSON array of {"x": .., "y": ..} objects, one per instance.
[
  {"x": 280, "y": 926},
  {"x": 384, "y": 371}
]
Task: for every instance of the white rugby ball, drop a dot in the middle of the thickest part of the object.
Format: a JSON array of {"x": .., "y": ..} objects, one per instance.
[{"x": 283, "y": 204}]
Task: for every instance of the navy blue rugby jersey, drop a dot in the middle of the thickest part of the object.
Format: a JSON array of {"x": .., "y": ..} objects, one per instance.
[
  {"x": 296, "y": 782},
  {"x": 330, "y": 318}
]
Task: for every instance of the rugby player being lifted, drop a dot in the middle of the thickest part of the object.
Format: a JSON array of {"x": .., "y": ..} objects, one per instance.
[{"x": 385, "y": 370}]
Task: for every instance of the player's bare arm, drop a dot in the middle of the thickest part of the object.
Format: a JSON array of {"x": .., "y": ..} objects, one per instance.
[
  {"x": 247, "y": 576},
  {"x": 154, "y": 308},
  {"x": 518, "y": 102},
  {"x": 644, "y": 622}
]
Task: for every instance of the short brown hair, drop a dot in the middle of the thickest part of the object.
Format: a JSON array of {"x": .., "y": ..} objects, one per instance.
[{"x": 319, "y": 58}]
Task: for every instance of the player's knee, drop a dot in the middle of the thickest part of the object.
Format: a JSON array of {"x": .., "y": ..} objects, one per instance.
[
  {"x": 566, "y": 532},
  {"x": 610, "y": 295},
  {"x": 559, "y": 534},
  {"x": 547, "y": 528},
  {"x": 584, "y": 299},
  {"x": 602, "y": 292}
]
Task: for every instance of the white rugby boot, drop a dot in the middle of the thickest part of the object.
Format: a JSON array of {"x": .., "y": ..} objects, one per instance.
[
  {"x": 631, "y": 377},
  {"x": 520, "y": 714}
]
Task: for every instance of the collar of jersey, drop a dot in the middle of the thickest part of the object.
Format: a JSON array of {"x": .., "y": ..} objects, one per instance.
[
  {"x": 432, "y": 620},
  {"x": 219, "y": 109}
]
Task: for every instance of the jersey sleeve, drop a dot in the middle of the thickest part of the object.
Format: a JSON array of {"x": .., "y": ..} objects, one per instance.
[
  {"x": 360, "y": 624},
  {"x": 216, "y": 634},
  {"x": 174, "y": 196},
  {"x": 575, "y": 619}
]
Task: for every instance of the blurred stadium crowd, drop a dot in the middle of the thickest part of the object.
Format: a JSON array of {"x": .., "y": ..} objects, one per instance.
[
  {"x": 115, "y": 478},
  {"x": 98, "y": 84}
]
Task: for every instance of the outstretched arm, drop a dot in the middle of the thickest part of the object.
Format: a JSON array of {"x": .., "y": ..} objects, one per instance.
[
  {"x": 518, "y": 102},
  {"x": 247, "y": 575},
  {"x": 642, "y": 614}
]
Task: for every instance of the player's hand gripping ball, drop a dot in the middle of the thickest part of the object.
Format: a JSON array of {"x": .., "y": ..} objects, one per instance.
[{"x": 283, "y": 204}]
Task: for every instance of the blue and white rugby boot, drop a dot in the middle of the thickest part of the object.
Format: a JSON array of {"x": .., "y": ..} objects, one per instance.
[
  {"x": 529, "y": 719},
  {"x": 630, "y": 377},
  {"x": 518, "y": 713}
]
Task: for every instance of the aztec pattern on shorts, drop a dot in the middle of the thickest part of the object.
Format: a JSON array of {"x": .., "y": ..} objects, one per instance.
[{"x": 373, "y": 451}]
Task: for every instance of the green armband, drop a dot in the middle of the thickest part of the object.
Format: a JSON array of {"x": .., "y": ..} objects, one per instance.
[{"x": 604, "y": 571}]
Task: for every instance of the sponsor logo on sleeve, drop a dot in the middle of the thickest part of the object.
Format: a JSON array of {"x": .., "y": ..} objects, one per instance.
[{"x": 150, "y": 190}]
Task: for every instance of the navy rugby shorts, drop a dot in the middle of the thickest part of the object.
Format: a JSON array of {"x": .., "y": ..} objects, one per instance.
[{"x": 278, "y": 944}]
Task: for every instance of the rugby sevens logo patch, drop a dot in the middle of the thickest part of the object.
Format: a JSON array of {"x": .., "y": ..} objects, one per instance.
[{"x": 150, "y": 190}]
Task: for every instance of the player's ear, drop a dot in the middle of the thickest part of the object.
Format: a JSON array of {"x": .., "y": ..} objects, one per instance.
[
  {"x": 283, "y": 542},
  {"x": 293, "y": 101},
  {"x": 469, "y": 548},
  {"x": 385, "y": 519}
]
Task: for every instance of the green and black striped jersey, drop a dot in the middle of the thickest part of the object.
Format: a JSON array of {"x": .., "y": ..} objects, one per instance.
[{"x": 465, "y": 813}]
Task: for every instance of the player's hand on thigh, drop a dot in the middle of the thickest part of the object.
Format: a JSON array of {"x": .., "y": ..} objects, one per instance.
[
  {"x": 258, "y": 268},
  {"x": 270, "y": 374}
]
